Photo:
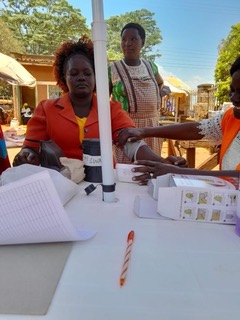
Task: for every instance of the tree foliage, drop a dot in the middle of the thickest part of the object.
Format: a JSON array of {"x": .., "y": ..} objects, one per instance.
[
  {"x": 228, "y": 51},
  {"x": 41, "y": 25},
  {"x": 143, "y": 17},
  {"x": 8, "y": 44}
]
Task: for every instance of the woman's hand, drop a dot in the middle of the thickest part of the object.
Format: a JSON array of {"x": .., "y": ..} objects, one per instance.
[
  {"x": 26, "y": 155},
  {"x": 176, "y": 161},
  {"x": 129, "y": 135},
  {"x": 153, "y": 169}
]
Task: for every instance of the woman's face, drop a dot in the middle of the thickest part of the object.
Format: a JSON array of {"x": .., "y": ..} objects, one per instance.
[
  {"x": 235, "y": 93},
  {"x": 131, "y": 43},
  {"x": 80, "y": 77}
]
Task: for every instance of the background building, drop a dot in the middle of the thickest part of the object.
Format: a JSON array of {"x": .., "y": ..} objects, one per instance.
[{"x": 205, "y": 101}]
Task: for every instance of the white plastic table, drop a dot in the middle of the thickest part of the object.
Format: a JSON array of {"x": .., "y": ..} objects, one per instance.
[{"x": 178, "y": 270}]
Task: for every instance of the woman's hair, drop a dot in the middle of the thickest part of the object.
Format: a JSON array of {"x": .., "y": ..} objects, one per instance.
[
  {"x": 83, "y": 46},
  {"x": 136, "y": 26},
  {"x": 235, "y": 66}
]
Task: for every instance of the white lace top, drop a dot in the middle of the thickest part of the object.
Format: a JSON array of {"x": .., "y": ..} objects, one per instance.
[{"x": 211, "y": 130}]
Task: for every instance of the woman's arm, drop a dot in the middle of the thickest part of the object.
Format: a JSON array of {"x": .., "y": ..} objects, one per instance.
[
  {"x": 181, "y": 131},
  {"x": 155, "y": 169},
  {"x": 159, "y": 80},
  {"x": 140, "y": 151}
]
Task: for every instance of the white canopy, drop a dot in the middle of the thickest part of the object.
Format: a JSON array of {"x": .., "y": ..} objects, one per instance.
[
  {"x": 174, "y": 89},
  {"x": 14, "y": 73},
  {"x": 178, "y": 83}
]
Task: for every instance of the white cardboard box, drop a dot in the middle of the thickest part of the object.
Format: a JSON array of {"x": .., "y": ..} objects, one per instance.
[
  {"x": 125, "y": 173},
  {"x": 196, "y": 198}
]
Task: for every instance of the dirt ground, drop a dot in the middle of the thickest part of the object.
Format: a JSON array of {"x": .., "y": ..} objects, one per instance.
[{"x": 202, "y": 154}]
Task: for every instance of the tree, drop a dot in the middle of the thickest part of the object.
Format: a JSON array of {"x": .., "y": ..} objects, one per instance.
[
  {"x": 228, "y": 51},
  {"x": 8, "y": 44},
  {"x": 41, "y": 25},
  {"x": 143, "y": 17}
]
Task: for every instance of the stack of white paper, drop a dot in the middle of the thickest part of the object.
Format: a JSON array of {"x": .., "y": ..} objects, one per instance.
[{"x": 31, "y": 212}]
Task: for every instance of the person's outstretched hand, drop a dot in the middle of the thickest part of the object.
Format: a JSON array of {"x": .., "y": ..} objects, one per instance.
[
  {"x": 26, "y": 155},
  {"x": 129, "y": 135},
  {"x": 176, "y": 161},
  {"x": 153, "y": 169}
]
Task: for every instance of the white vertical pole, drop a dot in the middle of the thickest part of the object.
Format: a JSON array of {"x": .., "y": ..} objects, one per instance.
[{"x": 99, "y": 37}]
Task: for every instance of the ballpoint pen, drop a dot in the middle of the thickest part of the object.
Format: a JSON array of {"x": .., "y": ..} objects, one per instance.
[{"x": 126, "y": 257}]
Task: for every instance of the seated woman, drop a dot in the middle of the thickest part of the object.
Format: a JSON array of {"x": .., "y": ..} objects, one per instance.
[
  {"x": 224, "y": 129},
  {"x": 74, "y": 116}
]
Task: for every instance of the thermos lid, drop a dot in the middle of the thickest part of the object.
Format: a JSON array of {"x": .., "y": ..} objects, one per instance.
[{"x": 91, "y": 142}]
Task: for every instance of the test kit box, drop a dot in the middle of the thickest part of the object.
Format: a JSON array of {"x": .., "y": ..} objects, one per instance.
[{"x": 196, "y": 198}]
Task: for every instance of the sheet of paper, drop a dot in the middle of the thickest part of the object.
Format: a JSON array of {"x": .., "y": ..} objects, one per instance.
[{"x": 31, "y": 212}]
